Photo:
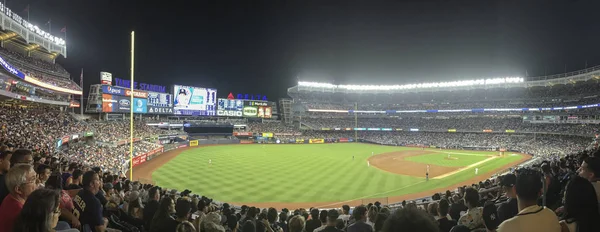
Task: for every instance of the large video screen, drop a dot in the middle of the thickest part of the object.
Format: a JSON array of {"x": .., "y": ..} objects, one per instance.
[
  {"x": 258, "y": 109},
  {"x": 191, "y": 100},
  {"x": 230, "y": 107},
  {"x": 160, "y": 103}
]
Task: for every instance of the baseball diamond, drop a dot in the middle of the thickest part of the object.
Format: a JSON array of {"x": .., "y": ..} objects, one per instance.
[{"x": 326, "y": 175}]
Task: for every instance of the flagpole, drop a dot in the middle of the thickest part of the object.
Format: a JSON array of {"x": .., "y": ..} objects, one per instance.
[
  {"x": 131, "y": 109},
  {"x": 27, "y": 11},
  {"x": 81, "y": 103}
]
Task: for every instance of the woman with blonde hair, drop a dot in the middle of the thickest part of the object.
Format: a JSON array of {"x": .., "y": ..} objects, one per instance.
[{"x": 296, "y": 224}]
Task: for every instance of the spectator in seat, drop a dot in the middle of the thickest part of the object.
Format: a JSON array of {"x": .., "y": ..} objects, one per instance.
[
  {"x": 509, "y": 208},
  {"x": 185, "y": 227},
  {"x": 332, "y": 216},
  {"x": 296, "y": 224},
  {"x": 232, "y": 224},
  {"x": 202, "y": 211},
  {"x": 314, "y": 221},
  {"x": 4, "y": 167},
  {"x": 76, "y": 179},
  {"x": 152, "y": 205},
  {"x": 40, "y": 212},
  {"x": 581, "y": 207},
  {"x": 43, "y": 173},
  {"x": 381, "y": 217},
  {"x": 444, "y": 223},
  {"x": 162, "y": 220},
  {"x": 66, "y": 206},
  {"x": 410, "y": 219},
  {"x": 183, "y": 210},
  {"x": 457, "y": 207},
  {"x": 323, "y": 219},
  {"x": 282, "y": 221},
  {"x": 531, "y": 217},
  {"x": 590, "y": 170},
  {"x": 21, "y": 156},
  {"x": 20, "y": 181},
  {"x": 473, "y": 218},
  {"x": 345, "y": 213},
  {"x": 360, "y": 215},
  {"x": 87, "y": 206}
]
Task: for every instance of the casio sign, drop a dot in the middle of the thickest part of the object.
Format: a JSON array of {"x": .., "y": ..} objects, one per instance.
[
  {"x": 230, "y": 113},
  {"x": 124, "y": 102}
]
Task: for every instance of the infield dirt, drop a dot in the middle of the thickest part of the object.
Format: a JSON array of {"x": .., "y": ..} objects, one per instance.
[{"x": 391, "y": 162}]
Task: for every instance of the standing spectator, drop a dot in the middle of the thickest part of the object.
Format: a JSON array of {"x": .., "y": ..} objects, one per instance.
[
  {"x": 314, "y": 221},
  {"x": 444, "y": 223},
  {"x": 87, "y": 206},
  {"x": 508, "y": 209},
  {"x": 4, "y": 167},
  {"x": 531, "y": 217},
  {"x": 473, "y": 218},
  {"x": 581, "y": 207},
  {"x": 20, "y": 181},
  {"x": 360, "y": 215},
  {"x": 409, "y": 219}
]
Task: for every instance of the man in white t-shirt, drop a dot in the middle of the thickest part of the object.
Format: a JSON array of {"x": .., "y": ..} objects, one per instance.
[{"x": 531, "y": 217}]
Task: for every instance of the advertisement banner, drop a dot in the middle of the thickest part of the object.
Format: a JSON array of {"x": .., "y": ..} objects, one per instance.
[
  {"x": 88, "y": 134},
  {"x": 325, "y": 129},
  {"x": 182, "y": 146},
  {"x": 105, "y": 78},
  {"x": 343, "y": 140},
  {"x": 193, "y": 143},
  {"x": 74, "y": 104},
  {"x": 299, "y": 140},
  {"x": 288, "y": 134},
  {"x": 114, "y": 103},
  {"x": 267, "y": 135},
  {"x": 189, "y": 100},
  {"x": 11, "y": 69},
  {"x": 230, "y": 104},
  {"x": 65, "y": 139},
  {"x": 451, "y": 130},
  {"x": 316, "y": 141},
  {"x": 487, "y": 130},
  {"x": 246, "y": 141},
  {"x": 258, "y": 109},
  {"x": 242, "y": 133},
  {"x": 113, "y": 90},
  {"x": 160, "y": 110},
  {"x": 229, "y": 113},
  {"x": 348, "y": 129},
  {"x": 140, "y": 105},
  {"x": 510, "y": 131}
]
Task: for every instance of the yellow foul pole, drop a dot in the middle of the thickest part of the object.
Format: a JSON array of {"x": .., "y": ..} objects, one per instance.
[{"x": 131, "y": 109}]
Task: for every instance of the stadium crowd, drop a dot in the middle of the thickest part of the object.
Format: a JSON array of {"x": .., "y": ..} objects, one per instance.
[
  {"x": 110, "y": 132},
  {"x": 114, "y": 159}
]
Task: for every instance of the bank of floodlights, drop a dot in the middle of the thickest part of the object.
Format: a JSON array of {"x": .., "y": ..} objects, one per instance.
[{"x": 492, "y": 81}]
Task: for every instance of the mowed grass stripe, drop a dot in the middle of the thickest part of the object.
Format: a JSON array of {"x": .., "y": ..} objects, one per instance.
[{"x": 288, "y": 173}]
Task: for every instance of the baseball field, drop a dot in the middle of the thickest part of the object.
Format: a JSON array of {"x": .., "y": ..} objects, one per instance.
[{"x": 321, "y": 175}]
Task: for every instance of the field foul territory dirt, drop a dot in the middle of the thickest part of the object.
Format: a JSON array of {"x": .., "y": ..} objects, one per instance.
[{"x": 143, "y": 173}]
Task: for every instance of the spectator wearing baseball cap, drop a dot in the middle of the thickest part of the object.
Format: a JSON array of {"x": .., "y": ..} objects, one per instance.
[
  {"x": 510, "y": 208},
  {"x": 314, "y": 221},
  {"x": 531, "y": 217},
  {"x": 590, "y": 170},
  {"x": 490, "y": 216}
]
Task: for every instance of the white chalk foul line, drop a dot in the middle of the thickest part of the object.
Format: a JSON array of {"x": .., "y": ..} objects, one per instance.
[{"x": 465, "y": 168}]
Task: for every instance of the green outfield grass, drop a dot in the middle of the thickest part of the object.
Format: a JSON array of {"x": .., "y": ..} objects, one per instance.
[
  {"x": 441, "y": 159},
  {"x": 302, "y": 172}
]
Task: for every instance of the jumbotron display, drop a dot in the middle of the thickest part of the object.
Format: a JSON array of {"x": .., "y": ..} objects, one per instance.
[
  {"x": 191, "y": 100},
  {"x": 244, "y": 108}
]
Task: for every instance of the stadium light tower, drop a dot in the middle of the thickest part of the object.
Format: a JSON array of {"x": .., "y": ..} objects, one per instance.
[{"x": 131, "y": 109}]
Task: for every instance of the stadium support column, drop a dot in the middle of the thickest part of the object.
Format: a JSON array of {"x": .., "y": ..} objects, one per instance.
[
  {"x": 131, "y": 109},
  {"x": 355, "y": 121}
]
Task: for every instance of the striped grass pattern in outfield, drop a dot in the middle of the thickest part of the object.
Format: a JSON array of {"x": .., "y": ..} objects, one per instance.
[
  {"x": 295, "y": 173},
  {"x": 441, "y": 159}
]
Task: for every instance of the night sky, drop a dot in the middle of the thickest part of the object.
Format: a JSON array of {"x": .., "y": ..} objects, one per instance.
[{"x": 264, "y": 47}]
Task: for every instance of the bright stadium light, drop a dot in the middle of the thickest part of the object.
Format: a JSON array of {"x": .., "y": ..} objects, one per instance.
[{"x": 491, "y": 81}]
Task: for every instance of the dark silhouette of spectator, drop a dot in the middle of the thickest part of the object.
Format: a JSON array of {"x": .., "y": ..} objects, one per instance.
[
  {"x": 509, "y": 208},
  {"x": 410, "y": 219},
  {"x": 581, "y": 207},
  {"x": 87, "y": 206},
  {"x": 314, "y": 221},
  {"x": 162, "y": 220},
  {"x": 360, "y": 225},
  {"x": 444, "y": 223}
]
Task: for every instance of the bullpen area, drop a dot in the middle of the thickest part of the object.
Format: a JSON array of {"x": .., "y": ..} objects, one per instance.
[{"x": 320, "y": 175}]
